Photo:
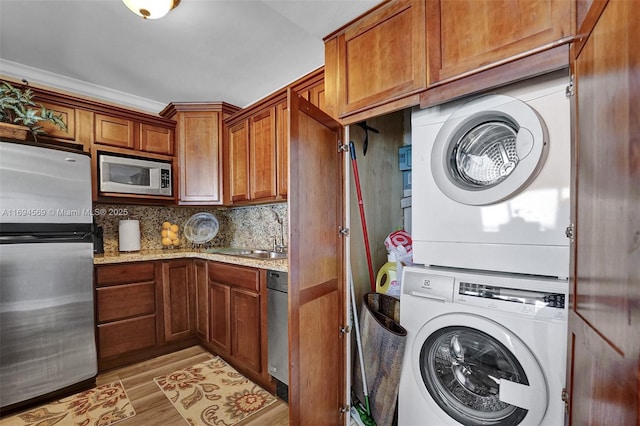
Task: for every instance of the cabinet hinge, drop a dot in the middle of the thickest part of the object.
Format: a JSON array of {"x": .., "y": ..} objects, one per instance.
[
  {"x": 345, "y": 409},
  {"x": 344, "y": 232},
  {"x": 565, "y": 399},
  {"x": 342, "y": 147},
  {"x": 570, "y": 232},
  {"x": 569, "y": 91},
  {"x": 345, "y": 329}
]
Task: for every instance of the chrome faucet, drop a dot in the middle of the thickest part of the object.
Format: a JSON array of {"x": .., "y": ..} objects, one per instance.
[{"x": 280, "y": 248}]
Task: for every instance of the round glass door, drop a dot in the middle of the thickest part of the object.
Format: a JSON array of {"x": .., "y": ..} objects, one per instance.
[
  {"x": 462, "y": 369},
  {"x": 488, "y": 150},
  {"x": 485, "y": 155}
]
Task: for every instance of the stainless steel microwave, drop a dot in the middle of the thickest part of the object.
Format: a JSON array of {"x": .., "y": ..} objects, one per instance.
[{"x": 130, "y": 175}]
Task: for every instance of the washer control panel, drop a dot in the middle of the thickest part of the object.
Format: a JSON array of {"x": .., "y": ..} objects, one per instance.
[
  {"x": 536, "y": 297},
  {"x": 526, "y": 301},
  {"x": 527, "y": 297}
]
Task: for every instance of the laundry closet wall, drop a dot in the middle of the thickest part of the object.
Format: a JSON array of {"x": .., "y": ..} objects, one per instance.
[{"x": 381, "y": 185}]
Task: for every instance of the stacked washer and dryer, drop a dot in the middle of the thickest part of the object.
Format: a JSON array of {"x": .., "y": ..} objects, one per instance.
[{"x": 486, "y": 316}]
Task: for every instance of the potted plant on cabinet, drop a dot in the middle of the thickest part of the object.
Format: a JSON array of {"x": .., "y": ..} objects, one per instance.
[{"x": 19, "y": 114}]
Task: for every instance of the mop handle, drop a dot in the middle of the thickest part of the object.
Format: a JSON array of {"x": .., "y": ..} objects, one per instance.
[
  {"x": 356, "y": 175},
  {"x": 356, "y": 324}
]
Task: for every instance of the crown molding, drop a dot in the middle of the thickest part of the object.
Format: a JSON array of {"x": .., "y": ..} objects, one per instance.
[{"x": 38, "y": 76}]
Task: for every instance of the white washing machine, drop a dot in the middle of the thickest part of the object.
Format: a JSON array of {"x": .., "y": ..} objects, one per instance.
[
  {"x": 482, "y": 349},
  {"x": 491, "y": 180}
]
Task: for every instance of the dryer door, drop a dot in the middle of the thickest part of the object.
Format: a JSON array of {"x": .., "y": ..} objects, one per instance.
[
  {"x": 489, "y": 150},
  {"x": 478, "y": 373}
]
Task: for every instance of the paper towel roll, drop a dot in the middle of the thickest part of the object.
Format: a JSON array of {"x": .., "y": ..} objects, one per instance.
[{"x": 129, "y": 235}]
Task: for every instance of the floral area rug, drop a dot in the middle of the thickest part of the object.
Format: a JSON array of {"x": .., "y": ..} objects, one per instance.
[
  {"x": 101, "y": 406},
  {"x": 213, "y": 393}
]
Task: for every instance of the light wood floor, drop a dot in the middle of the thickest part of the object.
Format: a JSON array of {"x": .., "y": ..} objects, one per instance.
[{"x": 153, "y": 408}]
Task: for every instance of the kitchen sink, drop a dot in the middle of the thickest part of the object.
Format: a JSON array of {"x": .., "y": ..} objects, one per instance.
[{"x": 251, "y": 253}]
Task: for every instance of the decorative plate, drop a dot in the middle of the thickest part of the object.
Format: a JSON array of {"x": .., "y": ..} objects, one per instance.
[{"x": 201, "y": 228}]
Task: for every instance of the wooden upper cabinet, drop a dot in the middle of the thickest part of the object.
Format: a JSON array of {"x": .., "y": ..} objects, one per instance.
[
  {"x": 200, "y": 157},
  {"x": 79, "y": 122},
  {"x": 199, "y": 141},
  {"x": 114, "y": 131},
  {"x": 378, "y": 59},
  {"x": 237, "y": 162},
  {"x": 262, "y": 155},
  {"x": 282, "y": 149},
  {"x": 466, "y": 36},
  {"x": 68, "y": 115},
  {"x": 156, "y": 139},
  {"x": 311, "y": 88}
]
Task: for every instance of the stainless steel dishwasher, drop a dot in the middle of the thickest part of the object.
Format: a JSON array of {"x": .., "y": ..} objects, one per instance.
[{"x": 278, "y": 330}]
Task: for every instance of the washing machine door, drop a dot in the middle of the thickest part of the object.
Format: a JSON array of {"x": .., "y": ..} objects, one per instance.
[
  {"x": 478, "y": 373},
  {"x": 489, "y": 150}
]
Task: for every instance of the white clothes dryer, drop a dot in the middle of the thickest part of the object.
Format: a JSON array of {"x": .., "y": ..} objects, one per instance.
[
  {"x": 491, "y": 180},
  {"x": 482, "y": 349}
]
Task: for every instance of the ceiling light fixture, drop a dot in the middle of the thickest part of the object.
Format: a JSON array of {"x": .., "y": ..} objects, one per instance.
[{"x": 151, "y": 9}]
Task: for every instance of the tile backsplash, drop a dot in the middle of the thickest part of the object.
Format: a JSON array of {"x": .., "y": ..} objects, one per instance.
[{"x": 252, "y": 226}]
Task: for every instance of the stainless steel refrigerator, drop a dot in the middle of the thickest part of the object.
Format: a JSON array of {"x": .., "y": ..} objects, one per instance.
[{"x": 47, "y": 341}]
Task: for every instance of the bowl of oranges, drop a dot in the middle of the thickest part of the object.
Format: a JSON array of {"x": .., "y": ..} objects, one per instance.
[{"x": 170, "y": 235}]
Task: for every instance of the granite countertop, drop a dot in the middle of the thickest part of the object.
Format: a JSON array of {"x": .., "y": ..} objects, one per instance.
[{"x": 145, "y": 255}]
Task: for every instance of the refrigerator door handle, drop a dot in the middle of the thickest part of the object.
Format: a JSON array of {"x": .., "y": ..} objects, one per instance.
[{"x": 51, "y": 238}]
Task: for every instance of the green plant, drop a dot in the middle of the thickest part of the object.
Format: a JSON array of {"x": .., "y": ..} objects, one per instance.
[{"x": 17, "y": 107}]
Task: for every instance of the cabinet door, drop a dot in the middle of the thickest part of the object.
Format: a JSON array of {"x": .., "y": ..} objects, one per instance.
[
  {"x": 282, "y": 152},
  {"x": 316, "y": 274},
  {"x": 219, "y": 311},
  {"x": 378, "y": 59},
  {"x": 604, "y": 317},
  {"x": 200, "y": 155},
  {"x": 245, "y": 328},
  {"x": 201, "y": 281},
  {"x": 262, "y": 155},
  {"x": 114, "y": 131},
  {"x": 156, "y": 139},
  {"x": 316, "y": 95},
  {"x": 467, "y": 35},
  {"x": 178, "y": 297},
  {"x": 68, "y": 115},
  {"x": 238, "y": 162}
]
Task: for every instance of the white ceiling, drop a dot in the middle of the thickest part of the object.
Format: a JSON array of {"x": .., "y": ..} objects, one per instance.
[{"x": 236, "y": 51}]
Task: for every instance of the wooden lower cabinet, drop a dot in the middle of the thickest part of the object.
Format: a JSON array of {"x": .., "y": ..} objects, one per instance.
[
  {"x": 201, "y": 287},
  {"x": 238, "y": 313},
  {"x": 219, "y": 307},
  {"x": 143, "y": 309},
  {"x": 245, "y": 328},
  {"x": 127, "y": 297},
  {"x": 178, "y": 299}
]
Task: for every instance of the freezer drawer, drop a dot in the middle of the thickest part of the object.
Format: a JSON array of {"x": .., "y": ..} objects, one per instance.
[{"x": 46, "y": 318}]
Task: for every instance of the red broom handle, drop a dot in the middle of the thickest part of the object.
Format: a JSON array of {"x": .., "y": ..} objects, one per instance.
[{"x": 362, "y": 218}]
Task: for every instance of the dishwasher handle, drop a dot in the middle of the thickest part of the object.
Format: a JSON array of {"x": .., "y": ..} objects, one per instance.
[{"x": 278, "y": 280}]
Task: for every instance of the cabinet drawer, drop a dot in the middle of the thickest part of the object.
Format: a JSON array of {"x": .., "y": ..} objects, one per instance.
[
  {"x": 234, "y": 275},
  {"x": 125, "y": 336},
  {"x": 125, "y": 273},
  {"x": 126, "y": 301}
]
